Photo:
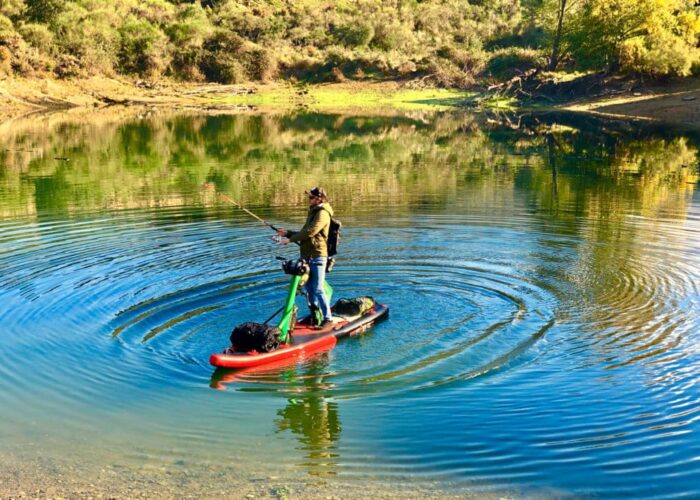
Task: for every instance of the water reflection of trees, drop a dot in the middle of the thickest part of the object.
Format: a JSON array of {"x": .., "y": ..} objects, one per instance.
[
  {"x": 618, "y": 195},
  {"x": 589, "y": 172},
  {"x": 267, "y": 159},
  {"x": 158, "y": 160}
]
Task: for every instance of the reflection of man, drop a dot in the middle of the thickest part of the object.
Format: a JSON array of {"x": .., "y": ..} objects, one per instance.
[
  {"x": 313, "y": 246},
  {"x": 315, "y": 420}
]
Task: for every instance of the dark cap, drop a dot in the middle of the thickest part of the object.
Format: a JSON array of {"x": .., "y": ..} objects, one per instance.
[{"x": 318, "y": 192}]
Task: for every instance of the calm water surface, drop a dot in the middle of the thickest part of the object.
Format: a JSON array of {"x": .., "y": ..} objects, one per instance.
[{"x": 544, "y": 284}]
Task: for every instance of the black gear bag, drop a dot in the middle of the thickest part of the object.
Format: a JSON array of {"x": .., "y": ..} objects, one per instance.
[{"x": 248, "y": 337}]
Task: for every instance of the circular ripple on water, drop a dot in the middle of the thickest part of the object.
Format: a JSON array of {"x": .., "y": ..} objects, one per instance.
[
  {"x": 135, "y": 299},
  {"x": 636, "y": 303},
  {"x": 447, "y": 323},
  {"x": 452, "y": 318},
  {"x": 465, "y": 301},
  {"x": 66, "y": 280}
]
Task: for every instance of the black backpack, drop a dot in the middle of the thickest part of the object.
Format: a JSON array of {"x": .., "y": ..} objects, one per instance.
[{"x": 333, "y": 235}]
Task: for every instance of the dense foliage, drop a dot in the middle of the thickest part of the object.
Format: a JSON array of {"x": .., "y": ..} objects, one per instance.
[{"x": 444, "y": 42}]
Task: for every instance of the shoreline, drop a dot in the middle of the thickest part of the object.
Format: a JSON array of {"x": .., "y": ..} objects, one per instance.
[
  {"x": 44, "y": 477},
  {"x": 676, "y": 103},
  {"x": 20, "y": 97}
]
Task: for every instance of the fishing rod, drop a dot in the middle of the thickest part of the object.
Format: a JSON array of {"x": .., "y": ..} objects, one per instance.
[
  {"x": 233, "y": 202},
  {"x": 210, "y": 187}
]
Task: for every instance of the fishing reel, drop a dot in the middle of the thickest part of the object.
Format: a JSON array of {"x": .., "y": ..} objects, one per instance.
[{"x": 298, "y": 267}]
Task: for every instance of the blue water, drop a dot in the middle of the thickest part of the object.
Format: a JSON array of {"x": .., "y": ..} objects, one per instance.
[{"x": 545, "y": 304}]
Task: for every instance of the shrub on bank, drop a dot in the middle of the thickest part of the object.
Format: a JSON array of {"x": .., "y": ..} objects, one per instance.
[
  {"x": 159, "y": 13},
  {"x": 468, "y": 61},
  {"x": 258, "y": 22},
  {"x": 17, "y": 57},
  {"x": 68, "y": 66},
  {"x": 229, "y": 58},
  {"x": 13, "y": 9},
  {"x": 5, "y": 61},
  {"x": 339, "y": 63},
  {"x": 454, "y": 68},
  {"x": 666, "y": 55},
  {"x": 187, "y": 34},
  {"x": 260, "y": 63},
  {"x": 353, "y": 34},
  {"x": 90, "y": 36},
  {"x": 7, "y": 29},
  {"x": 219, "y": 61},
  {"x": 445, "y": 73},
  {"x": 143, "y": 49},
  {"x": 44, "y": 11},
  {"x": 38, "y": 36},
  {"x": 392, "y": 35},
  {"x": 504, "y": 64}
]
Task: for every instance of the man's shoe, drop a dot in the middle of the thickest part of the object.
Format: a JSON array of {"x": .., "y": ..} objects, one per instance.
[{"x": 326, "y": 323}]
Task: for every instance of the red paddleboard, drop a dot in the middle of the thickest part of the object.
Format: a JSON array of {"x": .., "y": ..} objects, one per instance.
[{"x": 305, "y": 340}]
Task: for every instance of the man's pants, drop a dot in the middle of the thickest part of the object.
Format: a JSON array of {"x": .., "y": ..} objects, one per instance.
[{"x": 314, "y": 287}]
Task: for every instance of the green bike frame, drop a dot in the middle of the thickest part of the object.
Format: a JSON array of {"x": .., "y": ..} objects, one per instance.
[{"x": 285, "y": 323}]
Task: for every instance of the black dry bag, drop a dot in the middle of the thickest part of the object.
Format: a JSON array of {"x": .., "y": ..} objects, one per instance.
[{"x": 248, "y": 337}]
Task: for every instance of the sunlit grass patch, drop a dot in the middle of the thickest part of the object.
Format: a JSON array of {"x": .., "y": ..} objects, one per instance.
[{"x": 336, "y": 96}]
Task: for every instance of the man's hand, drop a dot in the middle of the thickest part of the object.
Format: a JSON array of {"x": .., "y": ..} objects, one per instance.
[
  {"x": 282, "y": 232},
  {"x": 284, "y": 241}
]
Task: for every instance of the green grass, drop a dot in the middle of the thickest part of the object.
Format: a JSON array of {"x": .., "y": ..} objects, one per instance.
[
  {"x": 340, "y": 96},
  {"x": 501, "y": 103}
]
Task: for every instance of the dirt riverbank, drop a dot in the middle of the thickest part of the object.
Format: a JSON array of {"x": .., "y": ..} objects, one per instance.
[
  {"x": 24, "y": 96},
  {"x": 676, "y": 102}
]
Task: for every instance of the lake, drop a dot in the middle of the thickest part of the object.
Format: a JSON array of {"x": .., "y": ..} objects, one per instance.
[{"x": 543, "y": 275}]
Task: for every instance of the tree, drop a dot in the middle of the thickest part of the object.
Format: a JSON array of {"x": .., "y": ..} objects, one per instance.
[
  {"x": 555, "y": 19},
  {"x": 648, "y": 36},
  {"x": 556, "y": 44}
]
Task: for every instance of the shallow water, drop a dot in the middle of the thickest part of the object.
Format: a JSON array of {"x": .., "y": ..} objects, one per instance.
[{"x": 543, "y": 284}]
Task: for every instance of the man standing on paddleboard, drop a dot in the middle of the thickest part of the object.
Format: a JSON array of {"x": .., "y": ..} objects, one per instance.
[{"x": 313, "y": 246}]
